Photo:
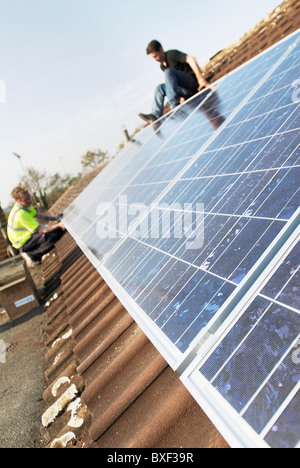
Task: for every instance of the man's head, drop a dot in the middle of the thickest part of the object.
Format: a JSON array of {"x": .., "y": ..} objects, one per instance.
[
  {"x": 21, "y": 195},
  {"x": 155, "y": 50}
]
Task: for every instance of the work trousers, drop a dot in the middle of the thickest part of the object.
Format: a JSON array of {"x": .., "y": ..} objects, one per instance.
[
  {"x": 177, "y": 84},
  {"x": 40, "y": 244}
]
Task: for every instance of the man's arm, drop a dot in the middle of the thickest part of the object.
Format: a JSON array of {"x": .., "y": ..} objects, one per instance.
[
  {"x": 47, "y": 229},
  {"x": 196, "y": 69}
]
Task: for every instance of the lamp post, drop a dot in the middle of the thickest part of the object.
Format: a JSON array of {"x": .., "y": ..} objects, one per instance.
[{"x": 20, "y": 159}]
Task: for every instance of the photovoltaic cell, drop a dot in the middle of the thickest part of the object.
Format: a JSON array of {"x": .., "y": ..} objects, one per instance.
[
  {"x": 188, "y": 217},
  {"x": 255, "y": 368}
]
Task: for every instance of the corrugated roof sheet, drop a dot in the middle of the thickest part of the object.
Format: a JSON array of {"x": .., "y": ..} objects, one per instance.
[
  {"x": 3, "y": 249},
  {"x": 107, "y": 385},
  {"x": 126, "y": 395},
  {"x": 3, "y": 245}
]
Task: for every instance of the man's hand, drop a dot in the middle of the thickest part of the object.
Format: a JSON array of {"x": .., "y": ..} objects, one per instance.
[
  {"x": 203, "y": 84},
  {"x": 53, "y": 227},
  {"x": 61, "y": 226},
  {"x": 196, "y": 69}
]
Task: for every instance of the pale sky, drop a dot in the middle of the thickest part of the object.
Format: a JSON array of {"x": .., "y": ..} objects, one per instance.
[{"x": 72, "y": 72}]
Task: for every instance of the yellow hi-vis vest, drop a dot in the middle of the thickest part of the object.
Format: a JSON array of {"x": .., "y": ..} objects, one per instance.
[{"x": 21, "y": 225}]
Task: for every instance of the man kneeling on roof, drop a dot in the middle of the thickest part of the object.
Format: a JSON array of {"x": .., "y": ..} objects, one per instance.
[
  {"x": 25, "y": 232},
  {"x": 183, "y": 79}
]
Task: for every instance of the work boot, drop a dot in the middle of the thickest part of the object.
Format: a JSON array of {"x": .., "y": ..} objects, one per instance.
[
  {"x": 29, "y": 262},
  {"x": 149, "y": 118}
]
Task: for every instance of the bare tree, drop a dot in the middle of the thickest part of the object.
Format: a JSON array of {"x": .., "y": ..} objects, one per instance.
[
  {"x": 93, "y": 159},
  {"x": 36, "y": 182}
]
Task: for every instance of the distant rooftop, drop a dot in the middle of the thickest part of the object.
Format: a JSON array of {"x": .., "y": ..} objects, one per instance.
[{"x": 281, "y": 22}]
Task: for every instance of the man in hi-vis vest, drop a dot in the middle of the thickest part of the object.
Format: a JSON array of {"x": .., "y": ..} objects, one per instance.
[{"x": 25, "y": 232}]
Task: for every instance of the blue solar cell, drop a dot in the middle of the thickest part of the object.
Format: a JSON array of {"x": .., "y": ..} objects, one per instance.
[
  {"x": 284, "y": 284},
  {"x": 285, "y": 432},
  {"x": 197, "y": 310},
  {"x": 272, "y": 396},
  {"x": 256, "y": 357}
]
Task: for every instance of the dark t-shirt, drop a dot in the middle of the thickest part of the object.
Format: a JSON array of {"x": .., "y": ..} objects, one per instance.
[{"x": 176, "y": 59}]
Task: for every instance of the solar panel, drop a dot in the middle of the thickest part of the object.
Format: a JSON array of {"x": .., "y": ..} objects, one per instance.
[
  {"x": 143, "y": 171},
  {"x": 187, "y": 220},
  {"x": 249, "y": 383}
]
